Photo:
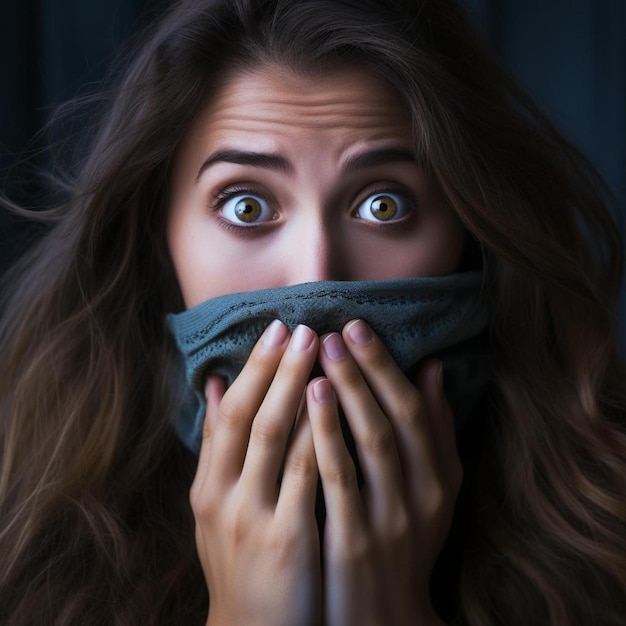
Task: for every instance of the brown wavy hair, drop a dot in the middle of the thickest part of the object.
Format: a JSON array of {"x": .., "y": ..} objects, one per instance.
[{"x": 96, "y": 526}]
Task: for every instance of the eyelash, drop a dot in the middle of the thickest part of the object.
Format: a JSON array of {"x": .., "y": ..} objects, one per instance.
[
  {"x": 237, "y": 190},
  {"x": 231, "y": 192}
]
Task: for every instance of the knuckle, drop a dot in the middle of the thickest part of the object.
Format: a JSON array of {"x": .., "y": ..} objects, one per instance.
[
  {"x": 240, "y": 526},
  {"x": 194, "y": 500},
  {"x": 230, "y": 413},
  {"x": 266, "y": 433},
  {"x": 241, "y": 522},
  {"x": 300, "y": 464},
  {"x": 194, "y": 496},
  {"x": 285, "y": 537},
  {"x": 436, "y": 501},
  {"x": 359, "y": 549},
  {"x": 409, "y": 407},
  {"x": 340, "y": 474},
  {"x": 379, "y": 441},
  {"x": 400, "y": 525},
  {"x": 203, "y": 505}
]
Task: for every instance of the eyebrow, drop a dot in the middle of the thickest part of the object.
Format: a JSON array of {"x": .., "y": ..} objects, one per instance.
[
  {"x": 382, "y": 156},
  {"x": 276, "y": 162},
  {"x": 255, "y": 159}
]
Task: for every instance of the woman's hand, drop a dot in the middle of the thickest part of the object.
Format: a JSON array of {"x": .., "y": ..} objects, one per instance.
[
  {"x": 257, "y": 537},
  {"x": 382, "y": 541}
]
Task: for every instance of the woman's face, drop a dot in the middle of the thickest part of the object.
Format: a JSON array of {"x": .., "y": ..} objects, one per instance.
[{"x": 287, "y": 179}]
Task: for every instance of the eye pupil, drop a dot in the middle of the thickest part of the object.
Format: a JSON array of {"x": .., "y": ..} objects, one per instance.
[{"x": 383, "y": 207}]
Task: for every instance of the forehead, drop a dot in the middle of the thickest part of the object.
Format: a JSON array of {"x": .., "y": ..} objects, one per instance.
[{"x": 275, "y": 108}]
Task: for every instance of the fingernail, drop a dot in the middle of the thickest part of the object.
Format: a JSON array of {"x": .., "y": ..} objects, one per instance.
[
  {"x": 302, "y": 338},
  {"x": 334, "y": 347},
  {"x": 359, "y": 332},
  {"x": 322, "y": 391},
  {"x": 275, "y": 334}
]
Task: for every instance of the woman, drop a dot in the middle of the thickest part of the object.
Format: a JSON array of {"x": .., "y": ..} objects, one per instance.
[{"x": 227, "y": 139}]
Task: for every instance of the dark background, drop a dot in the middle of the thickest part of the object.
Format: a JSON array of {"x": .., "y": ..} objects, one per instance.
[{"x": 570, "y": 55}]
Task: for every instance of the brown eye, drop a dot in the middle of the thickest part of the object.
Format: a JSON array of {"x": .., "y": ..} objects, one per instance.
[
  {"x": 248, "y": 210},
  {"x": 243, "y": 210},
  {"x": 383, "y": 208}
]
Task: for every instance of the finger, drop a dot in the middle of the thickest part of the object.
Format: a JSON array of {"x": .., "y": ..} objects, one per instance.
[
  {"x": 344, "y": 509},
  {"x": 441, "y": 421},
  {"x": 276, "y": 416},
  {"x": 403, "y": 405},
  {"x": 241, "y": 402},
  {"x": 214, "y": 389},
  {"x": 383, "y": 376},
  {"x": 299, "y": 484},
  {"x": 371, "y": 429}
]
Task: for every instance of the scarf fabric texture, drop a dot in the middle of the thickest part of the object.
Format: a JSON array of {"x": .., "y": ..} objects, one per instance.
[{"x": 417, "y": 317}]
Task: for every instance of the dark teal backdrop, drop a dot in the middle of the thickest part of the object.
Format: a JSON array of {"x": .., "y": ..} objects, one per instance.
[{"x": 570, "y": 55}]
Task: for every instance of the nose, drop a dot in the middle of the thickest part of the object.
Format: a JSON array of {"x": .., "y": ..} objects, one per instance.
[{"x": 316, "y": 254}]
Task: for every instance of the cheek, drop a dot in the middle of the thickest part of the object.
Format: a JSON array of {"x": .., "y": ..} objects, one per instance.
[
  {"x": 442, "y": 240},
  {"x": 208, "y": 262},
  {"x": 434, "y": 249},
  {"x": 182, "y": 249},
  {"x": 192, "y": 255},
  {"x": 444, "y": 247}
]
